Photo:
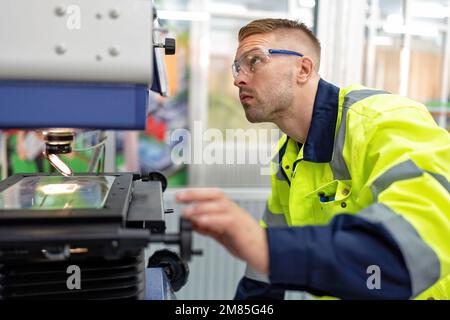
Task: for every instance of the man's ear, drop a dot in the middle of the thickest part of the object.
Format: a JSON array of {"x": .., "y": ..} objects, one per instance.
[{"x": 305, "y": 69}]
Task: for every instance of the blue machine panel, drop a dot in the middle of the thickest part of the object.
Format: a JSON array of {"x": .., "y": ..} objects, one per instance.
[
  {"x": 157, "y": 285},
  {"x": 40, "y": 104}
]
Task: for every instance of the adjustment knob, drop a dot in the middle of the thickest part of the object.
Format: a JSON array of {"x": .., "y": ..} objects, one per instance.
[
  {"x": 169, "y": 46},
  {"x": 176, "y": 269}
]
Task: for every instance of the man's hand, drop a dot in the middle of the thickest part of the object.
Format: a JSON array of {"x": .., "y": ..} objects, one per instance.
[{"x": 215, "y": 215}]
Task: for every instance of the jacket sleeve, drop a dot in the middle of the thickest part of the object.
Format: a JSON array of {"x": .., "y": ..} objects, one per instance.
[
  {"x": 395, "y": 247},
  {"x": 254, "y": 285},
  {"x": 251, "y": 289}
]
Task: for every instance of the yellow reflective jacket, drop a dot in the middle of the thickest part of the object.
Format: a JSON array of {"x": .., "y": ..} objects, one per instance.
[{"x": 387, "y": 162}]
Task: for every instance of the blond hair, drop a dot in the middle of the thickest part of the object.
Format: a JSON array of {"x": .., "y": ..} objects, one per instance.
[{"x": 270, "y": 25}]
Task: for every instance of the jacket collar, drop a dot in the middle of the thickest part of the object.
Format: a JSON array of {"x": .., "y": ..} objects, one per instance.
[{"x": 320, "y": 140}]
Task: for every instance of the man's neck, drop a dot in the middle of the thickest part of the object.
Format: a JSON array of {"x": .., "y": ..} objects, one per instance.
[{"x": 296, "y": 121}]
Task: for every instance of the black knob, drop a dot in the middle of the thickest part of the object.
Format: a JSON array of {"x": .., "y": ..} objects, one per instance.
[
  {"x": 176, "y": 269},
  {"x": 186, "y": 250},
  {"x": 155, "y": 176},
  {"x": 169, "y": 46}
]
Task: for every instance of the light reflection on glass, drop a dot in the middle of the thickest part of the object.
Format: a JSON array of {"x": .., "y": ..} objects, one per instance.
[
  {"x": 51, "y": 189},
  {"x": 57, "y": 192}
]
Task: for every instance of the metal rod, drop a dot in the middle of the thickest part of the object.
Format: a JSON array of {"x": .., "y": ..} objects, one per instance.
[
  {"x": 445, "y": 76},
  {"x": 93, "y": 164},
  {"x": 168, "y": 238},
  {"x": 316, "y": 17}
]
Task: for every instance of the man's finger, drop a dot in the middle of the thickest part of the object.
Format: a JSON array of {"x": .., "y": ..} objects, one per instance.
[
  {"x": 221, "y": 228},
  {"x": 213, "y": 224},
  {"x": 201, "y": 230},
  {"x": 199, "y": 194},
  {"x": 203, "y": 207}
]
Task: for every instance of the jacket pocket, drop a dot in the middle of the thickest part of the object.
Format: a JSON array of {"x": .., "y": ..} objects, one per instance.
[
  {"x": 331, "y": 198},
  {"x": 336, "y": 190}
]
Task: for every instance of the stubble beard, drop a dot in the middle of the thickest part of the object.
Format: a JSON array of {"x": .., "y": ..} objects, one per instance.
[{"x": 280, "y": 98}]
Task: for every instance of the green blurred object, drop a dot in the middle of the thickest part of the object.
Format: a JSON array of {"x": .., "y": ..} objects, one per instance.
[
  {"x": 77, "y": 161},
  {"x": 178, "y": 179},
  {"x": 437, "y": 104}
]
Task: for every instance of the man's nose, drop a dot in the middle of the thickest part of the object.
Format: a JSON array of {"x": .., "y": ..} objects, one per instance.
[{"x": 241, "y": 79}]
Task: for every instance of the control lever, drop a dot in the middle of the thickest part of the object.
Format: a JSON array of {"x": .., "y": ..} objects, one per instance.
[{"x": 183, "y": 239}]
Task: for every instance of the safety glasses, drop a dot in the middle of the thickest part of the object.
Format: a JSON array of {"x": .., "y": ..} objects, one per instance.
[{"x": 249, "y": 62}]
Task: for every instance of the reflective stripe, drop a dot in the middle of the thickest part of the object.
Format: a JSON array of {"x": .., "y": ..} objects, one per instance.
[
  {"x": 402, "y": 171},
  {"x": 280, "y": 175},
  {"x": 420, "y": 259},
  {"x": 442, "y": 180},
  {"x": 279, "y": 155},
  {"x": 274, "y": 219},
  {"x": 277, "y": 161},
  {"x": 254, "y": 275},
  {"x": 338, "y": 166}
]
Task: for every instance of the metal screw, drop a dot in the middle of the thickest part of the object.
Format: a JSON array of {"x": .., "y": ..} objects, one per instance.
[
  {"x": 114, "y": 13},
  {"x": 60, "y": 11},
  {"x": 61, "y": 48}
]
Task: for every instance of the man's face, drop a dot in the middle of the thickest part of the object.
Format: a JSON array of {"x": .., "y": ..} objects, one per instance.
[{"x": 265, "y": 82}]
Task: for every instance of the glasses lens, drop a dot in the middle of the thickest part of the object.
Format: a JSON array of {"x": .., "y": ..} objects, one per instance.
[
  {"x": 235, "y": 69},
  {"x": 247, "y": 63}
]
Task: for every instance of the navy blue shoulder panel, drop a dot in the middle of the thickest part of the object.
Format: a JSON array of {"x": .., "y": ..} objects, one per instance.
[{"x": 320, "y": 141}]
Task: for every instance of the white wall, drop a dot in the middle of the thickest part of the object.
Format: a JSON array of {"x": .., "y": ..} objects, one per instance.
[{"x": 341, "y": 27}]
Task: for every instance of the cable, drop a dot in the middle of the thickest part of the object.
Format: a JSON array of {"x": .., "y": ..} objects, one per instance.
[{"x": 102, "y": 142}]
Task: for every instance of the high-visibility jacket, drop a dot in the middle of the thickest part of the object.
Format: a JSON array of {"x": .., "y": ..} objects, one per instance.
[{"x": 362, "y": 209}]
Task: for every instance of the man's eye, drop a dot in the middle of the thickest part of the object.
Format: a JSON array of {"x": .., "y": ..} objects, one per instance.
[{"x": 254, "y": 60}]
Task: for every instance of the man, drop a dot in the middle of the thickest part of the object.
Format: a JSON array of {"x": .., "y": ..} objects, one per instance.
[{"x": 360, "y": 203}]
